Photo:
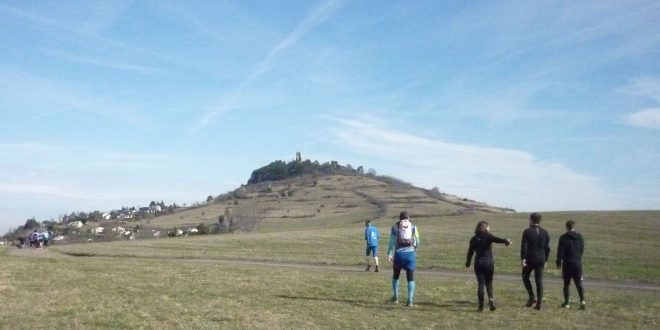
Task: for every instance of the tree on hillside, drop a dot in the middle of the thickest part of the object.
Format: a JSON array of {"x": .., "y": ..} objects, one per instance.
[
  {"x": 209, "y": 199},
  {"x": 95, "y": 216},
  {"x": 203, "y": 229},
  {"x": 83, "y": 217},
  {"x": 241, "y": 193},
  {"x": 31, "y": 224},
  {"x": 49, "y": 224},
  {"x": 280, "y": 170},
  {"x": 276, "y": 170}
]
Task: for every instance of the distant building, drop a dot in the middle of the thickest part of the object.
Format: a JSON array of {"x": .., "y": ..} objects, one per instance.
[{"x": 75, "y": 224}]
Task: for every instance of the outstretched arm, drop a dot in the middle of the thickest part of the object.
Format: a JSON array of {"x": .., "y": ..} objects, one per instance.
[{"x": 504, "y": 241}]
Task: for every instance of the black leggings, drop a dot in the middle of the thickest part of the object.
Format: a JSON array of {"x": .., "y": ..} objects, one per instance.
[
  {"x": 397, "y": 273},
  {"x": 538, "y": 278},
  {"x": 572, "y": 272},
  {"x": 484, "y": 274}
]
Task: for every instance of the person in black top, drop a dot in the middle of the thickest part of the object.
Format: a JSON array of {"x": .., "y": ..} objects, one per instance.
[
  {"x": 484, "y": 265},
  {"x": 569, "y": 259},
  {"x": 534, "y": 253}
]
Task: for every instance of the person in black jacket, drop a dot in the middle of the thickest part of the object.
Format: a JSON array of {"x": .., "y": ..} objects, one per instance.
[
  {"x": 569, "y": 259},
  {"x": 534, "y": 253},
  {"x": 484, "y": 265}
]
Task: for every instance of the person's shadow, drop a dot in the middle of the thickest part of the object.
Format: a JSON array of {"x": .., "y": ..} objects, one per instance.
[{"x": 454, "y": 305}]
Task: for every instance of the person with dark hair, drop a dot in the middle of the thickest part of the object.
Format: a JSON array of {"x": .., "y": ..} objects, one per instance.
[
  {"x": 371, "y": 235},
  {"x": 404, "y": 241},
  {"x": 569, "y": 259},
  {"x": 484, "y": 264},
  {"x": 534, "y": 253}
]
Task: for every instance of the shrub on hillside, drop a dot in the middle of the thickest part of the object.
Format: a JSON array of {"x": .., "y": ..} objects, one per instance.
[
  {"x": 241, "y": 193},
  {"x": 203, "y": 229}
]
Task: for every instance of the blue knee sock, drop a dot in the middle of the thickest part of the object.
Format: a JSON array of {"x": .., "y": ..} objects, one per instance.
[
  {"x": 411, "y": 291},
  {"x": 395, "y": 289}
]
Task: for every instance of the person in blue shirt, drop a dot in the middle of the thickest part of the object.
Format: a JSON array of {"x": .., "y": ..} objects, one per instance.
[
  {"x": 371, "y": 235},
  {"x": 404, "y": 240}
]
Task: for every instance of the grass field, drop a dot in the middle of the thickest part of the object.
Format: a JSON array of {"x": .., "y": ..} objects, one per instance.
[
  {"x": 620, "y": 246},
  {"x": 192, "y": 282},
  {"x": 302, "y": 267},
  {"x": 128, "y": 293}
]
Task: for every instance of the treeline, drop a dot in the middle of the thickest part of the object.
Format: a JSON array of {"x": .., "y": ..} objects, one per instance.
[
  {"x": 280, "y": 170},
  {"x": 126, "y": 213}
]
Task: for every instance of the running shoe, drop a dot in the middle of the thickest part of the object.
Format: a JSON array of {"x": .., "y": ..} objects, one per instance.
[{"x": 530, "y": 302}]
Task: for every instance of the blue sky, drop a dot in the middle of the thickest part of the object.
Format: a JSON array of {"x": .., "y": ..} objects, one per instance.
[{"x": 534, "y": 105}]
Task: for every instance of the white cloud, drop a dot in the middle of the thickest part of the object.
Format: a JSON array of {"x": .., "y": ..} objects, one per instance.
[
  {"x": 319, "y": 15},
  {"x": 316, "y": 17},
  {"x": 82, "y": 158},
  {"x": 648, "y": 118},
  {"x": 109, "y": 64},
  {"x": 99, "y": 19},
  {"x": 648, "y": 87},
  {"x": 644, "y": 86},
  {"x": 48, "y": 193},
  {"x": 498, "y": 176},
  {"x": 36, "y": 188}
]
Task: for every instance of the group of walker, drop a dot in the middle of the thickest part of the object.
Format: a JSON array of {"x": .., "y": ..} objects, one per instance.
[
  {"x": 36, "y": 239},
  {"x": 534, "y": 254}
]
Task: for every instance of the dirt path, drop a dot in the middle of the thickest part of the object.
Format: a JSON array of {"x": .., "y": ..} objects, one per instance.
[
  {"x": 440, "y": 273},
  {"x": 443, "y": 274},
  {"x": 40, "y": 252}
]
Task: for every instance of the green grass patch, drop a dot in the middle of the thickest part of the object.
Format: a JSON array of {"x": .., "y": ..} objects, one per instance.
[
  {"x": 97, "y": 292},
  {"x": 620, "y": 246}
]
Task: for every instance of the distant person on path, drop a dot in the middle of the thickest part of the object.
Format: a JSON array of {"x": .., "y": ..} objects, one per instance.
[
  {"x": 45, "y": 238},
  {"x": 404, "y": 240},
  {"x": 569, "y": 259},
  {"x": 371, "y": 235},
  {"x": 34, "y": 239},
  {"x": 484, "y": 264},
  {"x": 534, "y": 253}
]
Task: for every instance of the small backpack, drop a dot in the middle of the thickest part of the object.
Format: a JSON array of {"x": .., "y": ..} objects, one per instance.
[{"x": 405, "y": 236}]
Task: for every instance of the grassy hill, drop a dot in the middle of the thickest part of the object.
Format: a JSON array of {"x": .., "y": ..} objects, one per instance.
[
  {"x": 312, "y": 277},
  {"x": 324, "y": 201},
  {"x": 320, "y": 220},
  {"x": 299, "y": 264}
]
